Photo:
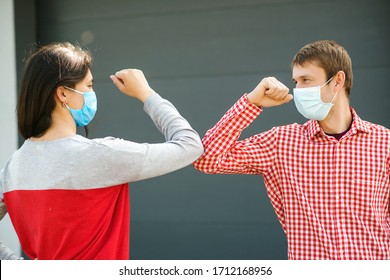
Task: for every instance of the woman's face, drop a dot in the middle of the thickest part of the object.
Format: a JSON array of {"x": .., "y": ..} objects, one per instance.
[{"x": 75, "y": 99}]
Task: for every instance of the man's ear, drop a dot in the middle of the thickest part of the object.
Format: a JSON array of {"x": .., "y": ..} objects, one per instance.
[{"x": 339, "y": 80}]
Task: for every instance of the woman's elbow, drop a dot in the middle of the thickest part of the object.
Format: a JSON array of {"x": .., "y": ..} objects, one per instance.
[{"x": 198, "y": 150}]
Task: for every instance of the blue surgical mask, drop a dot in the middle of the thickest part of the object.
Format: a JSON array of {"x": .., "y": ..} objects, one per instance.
[
  {"x": 84, "y": 116},
  {"x": 309, "y": 104}
]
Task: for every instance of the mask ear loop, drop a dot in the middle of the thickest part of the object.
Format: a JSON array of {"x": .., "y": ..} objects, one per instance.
[
  {"x": 334, "y": 97},
  {"x": 336, "y": 92},
  {"x": 64, "y": 104},
  {"x": 327, "y": 81},
  {"x": 72, "y": 89}
]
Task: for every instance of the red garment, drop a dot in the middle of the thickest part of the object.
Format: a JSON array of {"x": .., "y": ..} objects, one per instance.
[
  {"x": 72, "y": 224},
  {"x": 331, "y": 197}
]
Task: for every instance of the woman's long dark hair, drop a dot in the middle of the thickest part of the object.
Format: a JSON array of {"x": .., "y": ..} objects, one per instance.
[{"x": 50, "y": 66}]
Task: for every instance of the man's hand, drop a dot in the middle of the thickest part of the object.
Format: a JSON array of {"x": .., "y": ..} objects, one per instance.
[
  {"x": 132, "y": 82},
  {"x": 270, "y": 92}
]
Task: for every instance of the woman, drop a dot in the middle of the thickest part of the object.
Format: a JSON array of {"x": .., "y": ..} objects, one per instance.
[{"x": 67, "y": 196}]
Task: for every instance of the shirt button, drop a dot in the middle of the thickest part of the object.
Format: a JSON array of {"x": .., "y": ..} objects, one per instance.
[
  {"x": 341, "y": 251},
  {"x": 337, "y": 197}
]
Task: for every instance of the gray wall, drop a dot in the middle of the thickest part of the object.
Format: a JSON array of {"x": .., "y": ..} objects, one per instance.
[
  {"x": 8, "y": 127},
  {"x": 203, "y": 55}
]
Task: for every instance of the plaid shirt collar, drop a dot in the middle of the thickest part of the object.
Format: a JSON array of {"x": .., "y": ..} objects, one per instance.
[{"x": 313, "y": 128}]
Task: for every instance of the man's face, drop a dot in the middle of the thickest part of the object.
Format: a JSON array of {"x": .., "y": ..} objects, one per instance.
[{"x": 311, "y": 75}]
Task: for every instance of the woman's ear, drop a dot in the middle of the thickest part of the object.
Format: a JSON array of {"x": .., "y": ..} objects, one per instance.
[{"x": 61, "y": 96}]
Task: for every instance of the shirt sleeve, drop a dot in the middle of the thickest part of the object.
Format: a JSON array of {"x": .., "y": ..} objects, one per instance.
[
  {"x": 388, "y": 168},
  {"x": 224, "y": 154}
]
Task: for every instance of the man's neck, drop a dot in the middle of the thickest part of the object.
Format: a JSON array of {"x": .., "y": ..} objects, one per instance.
[{"x": 339, "y": 119}]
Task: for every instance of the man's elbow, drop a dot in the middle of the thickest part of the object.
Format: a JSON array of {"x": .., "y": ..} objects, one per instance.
[{"x": 204, "y": 166}]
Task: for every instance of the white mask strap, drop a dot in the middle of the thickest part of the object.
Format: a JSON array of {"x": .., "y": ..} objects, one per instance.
[
  {"x": 334, "y": 97},
  {"x": 327, "y": 81},
  {"x": 74, "y": 90}
]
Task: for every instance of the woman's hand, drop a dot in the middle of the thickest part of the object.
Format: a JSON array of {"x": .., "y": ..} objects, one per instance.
[{"x": 132, "y": 82}]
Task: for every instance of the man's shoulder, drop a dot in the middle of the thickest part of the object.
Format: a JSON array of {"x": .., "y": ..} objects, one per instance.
[
  {"x": 292, "y": 127},
  {"x": 376, "y": 128}
]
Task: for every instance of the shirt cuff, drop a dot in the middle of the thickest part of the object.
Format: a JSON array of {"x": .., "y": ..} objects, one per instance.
[{"x": 243, "y": 104}]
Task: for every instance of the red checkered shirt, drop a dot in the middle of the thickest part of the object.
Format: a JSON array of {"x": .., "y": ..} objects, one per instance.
[{"x": 331, "y": 197}]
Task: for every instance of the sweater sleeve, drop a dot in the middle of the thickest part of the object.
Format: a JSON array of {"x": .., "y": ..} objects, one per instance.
[
  {"x": 130, "y": 161},
  {"x": 182, "y": 144},
  {"x": 3, "y": 210},
  {"x": 1, "y": 184},
  {"x": 7, "y": 254}
]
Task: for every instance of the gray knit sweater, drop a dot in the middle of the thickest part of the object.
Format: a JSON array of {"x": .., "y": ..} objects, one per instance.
[{"x": 78, "y": 163}]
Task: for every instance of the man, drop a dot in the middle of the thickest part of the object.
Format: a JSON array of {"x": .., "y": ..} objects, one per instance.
[{"x": 328, "y": 179}]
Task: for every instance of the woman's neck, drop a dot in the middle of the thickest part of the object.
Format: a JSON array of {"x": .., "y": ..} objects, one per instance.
[{"x": 62, "y": 126}]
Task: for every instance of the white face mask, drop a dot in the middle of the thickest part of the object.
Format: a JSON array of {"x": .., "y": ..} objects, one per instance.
[{"x": 309, "y": 104}]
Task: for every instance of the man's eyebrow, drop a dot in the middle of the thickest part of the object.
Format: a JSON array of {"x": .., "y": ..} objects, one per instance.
[{"x": 301, "y": 77}]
